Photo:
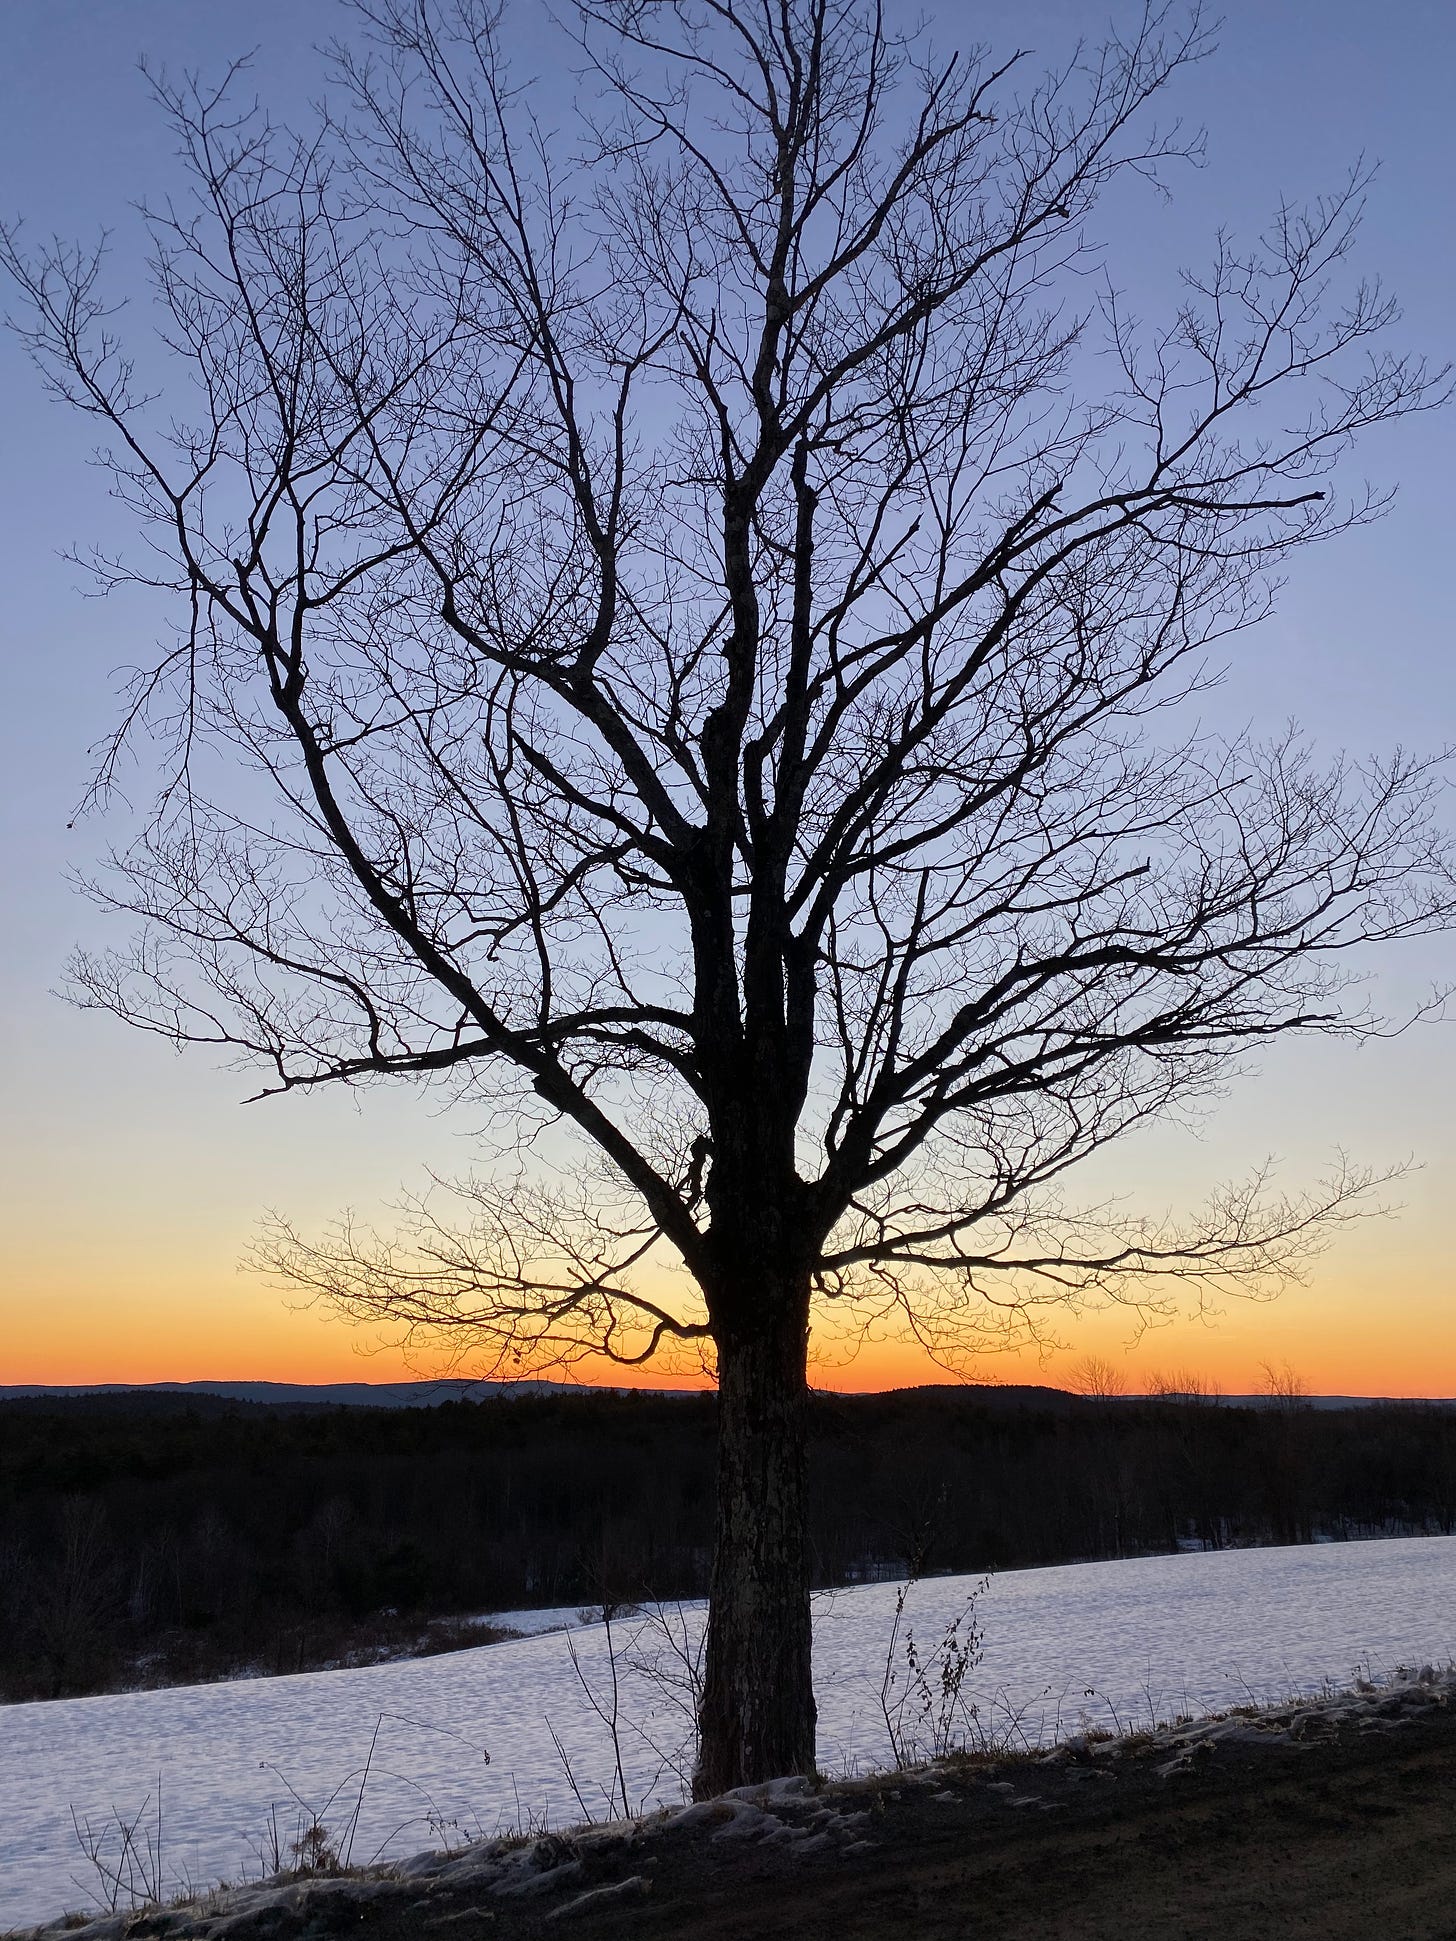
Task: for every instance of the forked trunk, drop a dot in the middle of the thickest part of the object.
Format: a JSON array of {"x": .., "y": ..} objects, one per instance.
[{"x": 757, "y": 1717}]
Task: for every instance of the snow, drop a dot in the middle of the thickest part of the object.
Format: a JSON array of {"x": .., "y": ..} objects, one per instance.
[
  {"x": 530, "y": 1624},
  {"x": 1111, "y": 1643}
]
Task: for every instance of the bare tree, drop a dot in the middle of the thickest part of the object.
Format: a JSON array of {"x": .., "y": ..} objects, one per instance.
[
  {"x": 1285, "y": 1387},
  {"x": 1095, "y": 1376},
  {"x": 1185, "y": 1385},
  {"x": 682, "y": 639}
]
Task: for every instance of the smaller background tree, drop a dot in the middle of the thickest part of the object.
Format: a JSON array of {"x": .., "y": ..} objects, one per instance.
[{"x": 1095, "y": 1376}]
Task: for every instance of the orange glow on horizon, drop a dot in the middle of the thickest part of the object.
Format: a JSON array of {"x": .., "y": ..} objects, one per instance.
[{"x": 1332, "y": 1334}]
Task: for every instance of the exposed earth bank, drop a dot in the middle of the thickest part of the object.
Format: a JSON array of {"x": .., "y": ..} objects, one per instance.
[{"x": 1335, "y": 1818}]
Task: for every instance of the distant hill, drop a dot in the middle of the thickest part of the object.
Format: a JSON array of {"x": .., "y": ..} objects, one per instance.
[
  {"x": 1011, "y": 1396},
  {"x": 1343, "y": 1401},
  {"x": 428, "y": 1394},
  {"x": 368, "y": 1395}
]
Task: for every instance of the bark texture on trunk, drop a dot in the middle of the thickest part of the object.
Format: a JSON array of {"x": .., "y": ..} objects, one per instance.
[{"x": 758, "y": 1714}]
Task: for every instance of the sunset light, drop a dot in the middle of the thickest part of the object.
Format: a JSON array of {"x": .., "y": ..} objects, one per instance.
[{"x": 729, "y": 995}]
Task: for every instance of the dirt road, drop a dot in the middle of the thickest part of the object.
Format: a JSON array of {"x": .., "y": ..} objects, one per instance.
[
  {"x": 1350, "y": 1834},
  {"x": 1341, "y": 1841}
]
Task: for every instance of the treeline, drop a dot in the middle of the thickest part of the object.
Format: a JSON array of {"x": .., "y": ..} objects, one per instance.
[{"x": 147, "y": 1541}]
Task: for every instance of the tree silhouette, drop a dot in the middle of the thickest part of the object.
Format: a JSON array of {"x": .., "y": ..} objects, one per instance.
[
  {"x": 1095, "y": 1376},
  {"x": 686, "y": 630}
]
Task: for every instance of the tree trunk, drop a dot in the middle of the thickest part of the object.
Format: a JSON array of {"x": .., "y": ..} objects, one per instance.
[{"x": 757, "y": 1717}]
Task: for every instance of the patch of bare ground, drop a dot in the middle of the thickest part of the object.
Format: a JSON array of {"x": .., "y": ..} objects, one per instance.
[{"x": 1335, "y": 1818}]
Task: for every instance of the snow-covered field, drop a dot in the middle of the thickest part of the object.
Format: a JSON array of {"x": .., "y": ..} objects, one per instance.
[{"x": 1116, "y": 1643}]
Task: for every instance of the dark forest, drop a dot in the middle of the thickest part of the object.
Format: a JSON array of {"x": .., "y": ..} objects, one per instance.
[{"x": 150, "y": 1540}]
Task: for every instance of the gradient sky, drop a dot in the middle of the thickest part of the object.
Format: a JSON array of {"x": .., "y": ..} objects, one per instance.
[{"x": 131, "y": 1180}]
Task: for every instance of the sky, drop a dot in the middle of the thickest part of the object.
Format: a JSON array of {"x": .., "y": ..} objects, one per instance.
[{"x": 132, "y": 1179}]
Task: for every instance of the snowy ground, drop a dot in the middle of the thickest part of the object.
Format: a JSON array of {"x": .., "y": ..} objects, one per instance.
[
  {"x": 530, "y": 1624},
  {"x": 1114, "y": 1643}
]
